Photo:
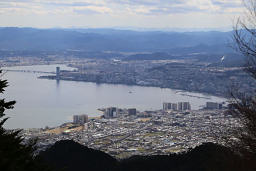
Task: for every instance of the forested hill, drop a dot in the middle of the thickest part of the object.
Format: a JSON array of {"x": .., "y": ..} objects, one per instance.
[
  {"x": 71, "y": 156},
  {"x": 13, "y": 38}
]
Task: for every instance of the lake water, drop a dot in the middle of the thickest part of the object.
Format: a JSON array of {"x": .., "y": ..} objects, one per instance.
[{"x": 42, "y": 102}]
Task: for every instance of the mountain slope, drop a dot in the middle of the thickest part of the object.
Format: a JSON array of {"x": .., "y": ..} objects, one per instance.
[
  {"x": 73, "y": 156},
  {"x": 70, "y": 155}
]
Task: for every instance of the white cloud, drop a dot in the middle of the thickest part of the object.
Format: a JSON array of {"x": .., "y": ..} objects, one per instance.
[{"x": 133, "y": 11}]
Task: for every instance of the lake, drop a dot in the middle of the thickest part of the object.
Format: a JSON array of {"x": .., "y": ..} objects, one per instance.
[{"x": 42, "y": 102}]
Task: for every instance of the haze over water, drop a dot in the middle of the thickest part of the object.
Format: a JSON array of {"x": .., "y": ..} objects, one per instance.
[{"x": 42, "y": 102}]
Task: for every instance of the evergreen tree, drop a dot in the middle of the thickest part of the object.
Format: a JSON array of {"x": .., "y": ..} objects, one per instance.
[{"x": 14, "y": 156}]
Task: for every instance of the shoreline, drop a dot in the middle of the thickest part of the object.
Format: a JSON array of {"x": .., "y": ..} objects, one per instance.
[{"x": 177, "y": 91}]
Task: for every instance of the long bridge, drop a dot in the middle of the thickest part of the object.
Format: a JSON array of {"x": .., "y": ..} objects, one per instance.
[{"x": 28, "y": 71}]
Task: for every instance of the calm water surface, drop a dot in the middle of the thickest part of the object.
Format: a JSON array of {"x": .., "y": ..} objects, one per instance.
[{"x": 42, "y": 102}]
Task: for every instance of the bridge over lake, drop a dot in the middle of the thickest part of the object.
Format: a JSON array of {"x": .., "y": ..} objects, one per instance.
[{"x": 29, "y": 71}]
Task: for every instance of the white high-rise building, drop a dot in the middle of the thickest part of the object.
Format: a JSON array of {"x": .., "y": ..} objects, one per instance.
[{"x": 57, "y": 73}]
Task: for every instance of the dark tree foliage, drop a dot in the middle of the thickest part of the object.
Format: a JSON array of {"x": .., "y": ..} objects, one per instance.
[
  {"x": 14, "y": 156},
  {"x": 243, "y": 105},
  {"x": 71, "y": 156}
]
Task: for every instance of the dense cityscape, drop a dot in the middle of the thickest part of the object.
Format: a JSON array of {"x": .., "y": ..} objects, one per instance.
[{"x": 126, "y": 132}]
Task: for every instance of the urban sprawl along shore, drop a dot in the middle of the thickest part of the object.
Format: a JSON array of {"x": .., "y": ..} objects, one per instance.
[
  {"x": 180, "y": 74},
  {"x": 126, "y": 132}
]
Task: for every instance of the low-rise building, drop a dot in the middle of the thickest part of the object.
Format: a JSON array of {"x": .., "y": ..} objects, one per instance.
[
  {"x": 213, "y": 105},
  {"x": 132, "y": 111}
]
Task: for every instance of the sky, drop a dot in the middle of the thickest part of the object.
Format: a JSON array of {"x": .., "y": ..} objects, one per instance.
[{"x": 148, "y": 14}]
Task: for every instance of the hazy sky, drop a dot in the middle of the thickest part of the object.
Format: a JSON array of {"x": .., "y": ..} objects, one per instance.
[{"x": 120, "y": 13}]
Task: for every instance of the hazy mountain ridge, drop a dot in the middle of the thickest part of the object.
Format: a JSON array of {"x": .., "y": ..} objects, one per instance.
[{"x": 108, "y": 39}]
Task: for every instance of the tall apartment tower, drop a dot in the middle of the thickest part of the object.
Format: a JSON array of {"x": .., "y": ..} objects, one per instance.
[
  {"x": 57, "y": 73},
  {"x": 80, "y": 119},
  {"x": 180, "y": 106},
  {"x": 174, "y": 106},
  {"x": 167, "y": 106},
  {"x": 170, "y": 106},
  {"x": 184, "y": 106},
  {"x": 110, "y": 112}
]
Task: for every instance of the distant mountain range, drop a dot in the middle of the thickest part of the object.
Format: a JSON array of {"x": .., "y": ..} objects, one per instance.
[{"x": 114, "y": 40}]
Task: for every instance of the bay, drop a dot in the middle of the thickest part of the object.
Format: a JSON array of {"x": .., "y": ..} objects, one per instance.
[{"x": 42, "y": 102}]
